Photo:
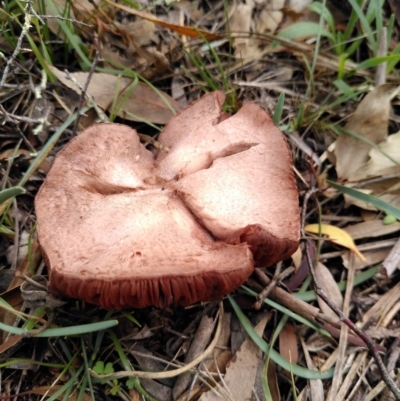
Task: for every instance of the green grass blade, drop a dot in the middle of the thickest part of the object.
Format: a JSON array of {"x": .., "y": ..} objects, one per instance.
[
  {"x": 304, "y": 29},
  {"x": 74, "y": 40},
  {"x": 275, "y": 356},
  {"x": 373, "y": 200},
  {"x": 375, "y": 61},
  {"x": 286, "y": 311},
  {"x": 9, "y": 193},
  {"x": 49, "y": 146},
  {"x": 278, "y": 110},
  {"x": 365, "y": 24},
  {"x": 62, "y": 331}
]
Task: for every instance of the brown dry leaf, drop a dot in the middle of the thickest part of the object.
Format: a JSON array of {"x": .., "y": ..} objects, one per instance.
[
  {"x": 241, "y": 21},
  {"x": 270, "y": 17},
  {"x": 50, "y": 390},
  {"x": 288, "y": 345},
  {"x": 241, "y": 371},
  {"x": 379, "y": 164},
  {"x": 371, "y": 229},
  {"x": 370, "y": 120},
  {"x": 144, "y": 104},
  {"x": 273, "y": 384},
  {"x": 221, "y": 346},
  {"x": 8, "y": 153},
  {"x": 328, "y": 284},
  {"x": 182, "y": 30},
  {"x": 372, "y": 257}
]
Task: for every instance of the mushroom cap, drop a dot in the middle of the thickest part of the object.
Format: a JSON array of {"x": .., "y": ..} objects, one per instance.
[{"x": 120, "y": 227}]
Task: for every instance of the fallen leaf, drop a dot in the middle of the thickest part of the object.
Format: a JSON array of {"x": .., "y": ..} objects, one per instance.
[
  {"x": 241, "y": 20},
  {"x": 296, "y": 279},
  {"x": 288, "y": 345},
  {"x": 143, "y": 104},
  {"x": 297, "y": 257},
  {"x": 372, "y": 257},
  {"x": 270, "y": 17},
  {"x": 241, "y": 371},
  {"x": 336, "y": 235},
  {"x": 329, "y": 285},
  {"x": 371, "y": 229},
  {"x": 369, "y": 121},
  {"x": 273, "y": 384},
  {"x": 53, "y": 389},
  {"x": 379, "y": 163},
  {"x": 8, "y": 153}
]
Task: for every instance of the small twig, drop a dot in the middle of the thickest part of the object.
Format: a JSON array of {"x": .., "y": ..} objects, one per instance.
[
  {"x": 59, "y": 17},
  {"x": 84, "y": 91},
  {"x": 23, "y": 314},
  {"x": 169, "y": 373},
  {"x": 24, "y": 32},
  {"x": 154, "y": 142},
  {"x": 376, "y": 179},
  {"x": 12, "y": 118},
  {"x": 33, "y": 282},
  {"x": 46, "y": 325},
  {"x": 91, "y": 101},
  {"x": 321, "y": 293},
  {"x": 278, "y": 276},
  {"x": 16, "y": 235}
]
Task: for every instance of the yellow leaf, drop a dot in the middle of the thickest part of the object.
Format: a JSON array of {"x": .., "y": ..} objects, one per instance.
[{"x": 336, "y": 235}]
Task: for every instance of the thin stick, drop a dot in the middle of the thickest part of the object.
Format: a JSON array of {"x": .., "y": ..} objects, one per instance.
[
  {"x": 24, "y": 32},
  {"x": 83, "y": 93},
  {"x": 278, "y": 276},
  {"x": 321, "y": 293},
  {"x": 169, "y": 373}
]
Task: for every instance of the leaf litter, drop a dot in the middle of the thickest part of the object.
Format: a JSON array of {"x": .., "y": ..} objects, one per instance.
[{"x": 158, "y": 49}]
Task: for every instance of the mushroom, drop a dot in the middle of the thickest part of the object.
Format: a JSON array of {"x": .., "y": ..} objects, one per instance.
[{"x": 120, "y": 227}]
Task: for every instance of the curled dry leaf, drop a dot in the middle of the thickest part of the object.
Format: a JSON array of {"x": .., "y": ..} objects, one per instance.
[
  {"x": 121, "y": 227},
  {"x": 372, "y": 258},
  {"x": 379, "y": 163},
  {"x": 329, "y": 285},
  {"x": 370, "y": 121},
  {"x": 383, "y": 163},
  {"x": 241, "y": 371},
  {"x": 336, "y": 235},
  {"x": 109, "y": 92}
]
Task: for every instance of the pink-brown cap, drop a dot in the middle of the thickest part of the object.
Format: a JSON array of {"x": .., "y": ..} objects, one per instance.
[{"x": 120, "y": 227}]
